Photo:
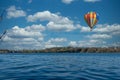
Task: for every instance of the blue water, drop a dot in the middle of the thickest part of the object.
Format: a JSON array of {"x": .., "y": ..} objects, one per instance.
[{"x": 48, "y": 66}]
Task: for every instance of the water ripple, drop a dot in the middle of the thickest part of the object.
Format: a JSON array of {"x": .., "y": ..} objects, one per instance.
[{"x": 59, "y": 67}]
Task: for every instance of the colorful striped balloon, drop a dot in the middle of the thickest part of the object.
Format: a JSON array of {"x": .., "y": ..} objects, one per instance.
[{"x": 91, "y": 19}]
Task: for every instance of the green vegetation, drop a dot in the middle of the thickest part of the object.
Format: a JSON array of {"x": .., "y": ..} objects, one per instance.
[{"x": 67, "y": 50}]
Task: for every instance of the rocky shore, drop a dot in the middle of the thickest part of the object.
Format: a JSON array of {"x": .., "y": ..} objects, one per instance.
[{"x": 67, "y": 50}]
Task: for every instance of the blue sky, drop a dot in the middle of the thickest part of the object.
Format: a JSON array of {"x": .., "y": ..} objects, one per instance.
[{"x": 38, "y": 24}]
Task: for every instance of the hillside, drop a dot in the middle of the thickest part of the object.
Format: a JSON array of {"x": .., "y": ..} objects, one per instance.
[{"x": 66, "y": 50}]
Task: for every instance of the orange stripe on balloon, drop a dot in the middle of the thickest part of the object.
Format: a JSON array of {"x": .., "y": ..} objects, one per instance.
[{"x": 88, "y": 19}]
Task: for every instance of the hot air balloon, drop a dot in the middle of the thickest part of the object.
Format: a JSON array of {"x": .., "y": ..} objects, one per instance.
[{"x": 91, "y": 19}]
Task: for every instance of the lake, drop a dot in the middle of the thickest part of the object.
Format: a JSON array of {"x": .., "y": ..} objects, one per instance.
[{"x": 60, "y": 66}]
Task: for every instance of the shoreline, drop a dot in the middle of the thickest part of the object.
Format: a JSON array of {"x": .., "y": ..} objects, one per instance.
[{"x": 67, "y": 50}]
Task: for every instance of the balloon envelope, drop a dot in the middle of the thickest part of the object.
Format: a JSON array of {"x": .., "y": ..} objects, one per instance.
[{"x": 91, "y": 19}]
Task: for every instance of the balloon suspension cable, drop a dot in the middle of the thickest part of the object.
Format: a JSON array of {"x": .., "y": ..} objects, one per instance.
[
  {"x": 90, "y": 29},
  {"x": 3, "y": 35}
]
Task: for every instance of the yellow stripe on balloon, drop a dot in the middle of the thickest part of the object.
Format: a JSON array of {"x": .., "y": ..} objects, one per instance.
[
  {"x": 91, "y": 22},
  {"x": 94, "y": 21}
]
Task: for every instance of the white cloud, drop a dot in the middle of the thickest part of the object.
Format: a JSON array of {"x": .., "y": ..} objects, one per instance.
[
  {"x": 99, "y": 36},
  {"x": 70, "y": 1},
  {"x": 35, "y": 28},
  {"x": 57, "y": 40},
  {"x": 29, "y": 38},
  {"x": 48, "y": 16},
  {"x": 117, "y": 44},
  {"x": 87, "y": 43},
  {"x": 18, "y": 32},
  {"x": 60, "y": 27},
  {"x": 67, "y": 1},
  {"x": 91, "y": 43},
  {"x": 23, "y": 38},
  {"x": 12, "y": 12},
  {"x": 42, "y": 16},
  {"x": 107, "y": 29},
  {"x": 29, "y": 1},
  {"x": 115, "y": 28},
  {"x": 55, "y": 21},
  {"x": 85, "y": 29},
  {"x": 92, "y": 0},
  {"x": 21, "y": 43},
  {"x": 50, "y": 45},
  {"x": 73, "y": 44}
]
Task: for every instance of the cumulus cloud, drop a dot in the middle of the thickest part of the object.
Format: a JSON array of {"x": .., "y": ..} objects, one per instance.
[
  {"x": 35, "y": 27},
  {"x": 92, "y": 0},
  {"x": 55, "y": 42},
  {"x": 17, "y": 32},
  {"x": 70, "y": 1},
  {"x": 99, "y": 36},
  {"x": 55, "y": 21},
  {"x": 12, "y": 12},
  {"x": 106, "y": 28},
  {"x": 48, "y": 16},
  {"x": 60, "y": 27},
  {"x": 24, "y": 43},
  {"x": 73, "y": 44},
  {"x": 117, "y": 44},
  {"x": 31, "y": 37},
  {"x": 24, "y": 38},
  {"x": 92, "y": 43},
  {"x": 83, "y": 28},
  {"x": 102, "y": 28},
  {"x": 50, "y": 45},
  {"x": 67, "y": 1},
  {"x": 87, "y": 43},
  {"x": 29, "y": 1}
]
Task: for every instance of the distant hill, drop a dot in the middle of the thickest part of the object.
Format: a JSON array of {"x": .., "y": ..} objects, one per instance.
[{"x": 67, "y": 50}]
